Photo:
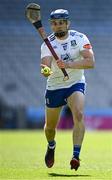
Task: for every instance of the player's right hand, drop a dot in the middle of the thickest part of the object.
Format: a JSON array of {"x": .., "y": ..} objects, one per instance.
[{"x": 45, "y": 70}]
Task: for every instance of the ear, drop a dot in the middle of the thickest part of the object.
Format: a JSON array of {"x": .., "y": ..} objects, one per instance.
[{"x": 68, "y": 24}]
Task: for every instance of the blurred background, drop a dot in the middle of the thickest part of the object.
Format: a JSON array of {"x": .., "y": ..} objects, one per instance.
[{"x": 21, "y": 84}]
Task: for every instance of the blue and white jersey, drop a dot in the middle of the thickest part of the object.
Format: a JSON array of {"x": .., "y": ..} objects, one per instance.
[{"x": 68, "y": 50}]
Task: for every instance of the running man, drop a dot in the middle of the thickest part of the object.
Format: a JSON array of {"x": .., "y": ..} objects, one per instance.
[{"x": 75, "y": 54}]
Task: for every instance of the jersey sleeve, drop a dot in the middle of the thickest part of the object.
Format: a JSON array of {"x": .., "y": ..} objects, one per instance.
[
  {"x": 84, "y": 43},
  {"x": 45, "y": 51}
]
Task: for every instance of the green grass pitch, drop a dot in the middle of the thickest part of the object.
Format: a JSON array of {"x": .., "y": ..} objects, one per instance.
[{"x": 22, "y": 156}]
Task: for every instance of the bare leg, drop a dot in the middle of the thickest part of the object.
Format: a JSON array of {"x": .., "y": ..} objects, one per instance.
[
  {"x": 52, "y": 117},
  {"x": 76, "y": 104}
]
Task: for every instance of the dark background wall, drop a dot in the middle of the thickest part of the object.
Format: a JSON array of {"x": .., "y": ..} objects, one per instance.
[{"x": 20, "y": 80}]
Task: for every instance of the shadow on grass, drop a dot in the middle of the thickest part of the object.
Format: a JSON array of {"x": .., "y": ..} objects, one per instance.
[{"x": 67, "y": 175}]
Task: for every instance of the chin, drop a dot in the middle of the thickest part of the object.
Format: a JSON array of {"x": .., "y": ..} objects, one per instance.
[{"x": 61, "y": 33}]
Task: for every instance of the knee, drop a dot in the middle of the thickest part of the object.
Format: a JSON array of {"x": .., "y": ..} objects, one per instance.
[
  {"x": 48, "y": 128},
  {"x": 79, "y": 115}
]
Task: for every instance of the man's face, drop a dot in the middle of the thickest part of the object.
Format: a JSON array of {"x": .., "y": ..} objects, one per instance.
[{"x": 58, "y": 25}]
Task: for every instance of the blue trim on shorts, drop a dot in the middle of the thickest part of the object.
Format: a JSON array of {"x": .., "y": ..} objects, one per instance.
[{"x": 58, "y": 97}]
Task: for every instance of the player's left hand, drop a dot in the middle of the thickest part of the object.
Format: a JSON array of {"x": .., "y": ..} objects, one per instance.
[
  {"x": 45, "y": 70},
  {"x": 62, "y": 64}
]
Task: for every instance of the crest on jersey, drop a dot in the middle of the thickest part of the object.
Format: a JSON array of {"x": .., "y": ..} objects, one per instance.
[
  {"x": 55, "y": 47},
  {"x": 73, "y": 43},
  {"x": 66, "y": 57},
  {"x": 64, "y": 46}
]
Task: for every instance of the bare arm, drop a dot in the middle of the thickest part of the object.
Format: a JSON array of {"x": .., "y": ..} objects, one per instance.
[
  {"x": 46, "y": 61},
  {"x": 86, "y": 62}
]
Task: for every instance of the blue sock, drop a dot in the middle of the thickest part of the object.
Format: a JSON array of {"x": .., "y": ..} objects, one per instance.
[
  {"x": 52, "y": 144},
  {"x": 76, "y": 151}
]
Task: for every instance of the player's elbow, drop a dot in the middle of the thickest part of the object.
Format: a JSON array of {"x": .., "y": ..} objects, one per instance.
[{"x": 91, "y": 63}]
